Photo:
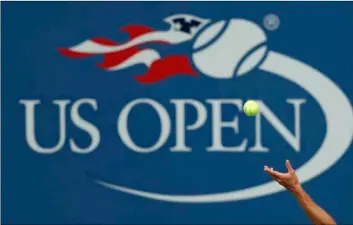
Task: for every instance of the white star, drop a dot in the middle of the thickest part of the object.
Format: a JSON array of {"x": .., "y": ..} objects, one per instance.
[
  {"x": 193, "y": 29},
  {"x": 188, "y": 19},
  {"x": 177, "y": 26}
]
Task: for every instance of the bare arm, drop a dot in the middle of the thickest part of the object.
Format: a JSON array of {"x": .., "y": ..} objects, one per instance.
[
  {"x": 289, "y": 180},
  {"x": 315, "y": 213}
]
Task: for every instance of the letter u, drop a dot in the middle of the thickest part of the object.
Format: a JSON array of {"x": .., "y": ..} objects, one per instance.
[{"x": 30, "y": 125}]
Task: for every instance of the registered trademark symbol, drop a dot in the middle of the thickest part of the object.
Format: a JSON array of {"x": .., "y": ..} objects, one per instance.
[{"x": 271, "y": 22}]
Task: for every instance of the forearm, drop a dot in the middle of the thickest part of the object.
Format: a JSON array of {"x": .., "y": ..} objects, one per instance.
[{"x": 316, "y": 214}]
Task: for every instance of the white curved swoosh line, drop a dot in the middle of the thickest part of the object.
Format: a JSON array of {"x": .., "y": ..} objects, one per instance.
[
  {"x": 171, "y": 37},
  {"x": 339, "y": 121},
  {"x": 147, "y": 57}
]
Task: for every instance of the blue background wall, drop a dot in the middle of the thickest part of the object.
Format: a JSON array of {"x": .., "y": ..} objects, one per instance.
[{"x": 57, "y": 188}]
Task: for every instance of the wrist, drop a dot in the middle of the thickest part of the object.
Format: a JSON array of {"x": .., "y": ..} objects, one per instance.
[{"x": 296, "y": 189}]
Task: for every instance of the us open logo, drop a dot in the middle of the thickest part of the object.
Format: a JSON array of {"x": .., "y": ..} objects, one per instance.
[{"x": 227, "y": 49}]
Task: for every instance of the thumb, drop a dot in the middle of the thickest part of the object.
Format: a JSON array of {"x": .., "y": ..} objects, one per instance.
[{"x": 289, "y": 166}]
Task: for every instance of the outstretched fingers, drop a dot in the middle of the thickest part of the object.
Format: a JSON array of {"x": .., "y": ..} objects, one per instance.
[
  {"x": 289, "y": 167},
  {"x": 273, "y": 172}
]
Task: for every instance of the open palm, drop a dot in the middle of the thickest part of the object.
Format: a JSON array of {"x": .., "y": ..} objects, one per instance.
[{"x": 289, "y": 180}]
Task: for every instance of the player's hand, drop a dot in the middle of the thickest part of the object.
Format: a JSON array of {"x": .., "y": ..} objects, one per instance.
[{"x": 288, "y": 180}]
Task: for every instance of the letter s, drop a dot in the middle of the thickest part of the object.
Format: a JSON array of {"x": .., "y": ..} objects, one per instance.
[{"x": 84, "y": 125}]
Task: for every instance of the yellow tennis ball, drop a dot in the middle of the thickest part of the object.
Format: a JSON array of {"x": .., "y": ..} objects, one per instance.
[{"x": 251, "y": 108}]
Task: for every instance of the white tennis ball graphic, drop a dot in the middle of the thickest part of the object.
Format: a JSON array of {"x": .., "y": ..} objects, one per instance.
[
  {"x": 251, "y": 108},
  {"x": 228, "y": 48}
]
